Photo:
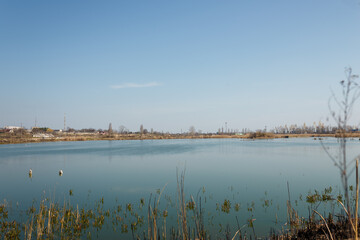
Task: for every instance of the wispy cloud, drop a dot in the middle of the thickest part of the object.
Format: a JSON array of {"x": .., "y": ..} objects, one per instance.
[{"x": 135, "y": 85}]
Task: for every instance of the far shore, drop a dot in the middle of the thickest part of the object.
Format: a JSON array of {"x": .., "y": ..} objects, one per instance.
[{"x": 64, "y": 137}]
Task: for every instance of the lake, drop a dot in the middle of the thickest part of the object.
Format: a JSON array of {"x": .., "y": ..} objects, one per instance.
[{"x": 246, "y": 172}]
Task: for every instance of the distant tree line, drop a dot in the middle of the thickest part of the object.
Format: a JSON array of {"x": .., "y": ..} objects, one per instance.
[{"x": 319, "y": 128}]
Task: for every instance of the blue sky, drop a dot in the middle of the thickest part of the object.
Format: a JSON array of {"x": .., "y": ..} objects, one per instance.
[{"x": 170, "y": 65}]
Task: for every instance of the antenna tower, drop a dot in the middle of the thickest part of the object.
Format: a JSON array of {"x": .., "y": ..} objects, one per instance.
[{"x": 64, "y": 122}]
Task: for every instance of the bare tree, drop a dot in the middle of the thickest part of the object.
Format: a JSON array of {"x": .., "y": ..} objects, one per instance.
[
  {"x": 110, "y": 130},
  {"x": 122, "y": 129},
  {"x": 192, "y": 130},
  {"x": 141, "y": 129},
  {"x": 340, "y": 110}
]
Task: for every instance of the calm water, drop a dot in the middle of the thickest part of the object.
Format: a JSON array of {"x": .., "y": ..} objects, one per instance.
[{"x": 242, "y": 171}]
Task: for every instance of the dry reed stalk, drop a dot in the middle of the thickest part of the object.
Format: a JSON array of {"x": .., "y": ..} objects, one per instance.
[
  {"x": 39, "y": 226},
  {"x": 196, "y": 219},
  {"x": 29, "y": 233},
  {"x": 149, "y": 222},
  {"x": 77, "y": 214},
  {"x": 347, "y": 213},
  {"x": 239, "y": 229},
  {"x": 152, "y": 218},
  {"x": 357, "y": 199},
  {"x": 289, "y": 209},
  {"x": 325, "y": 224},
  {"x": 154, "y": 222},
  {"x": 182, "y": 206},
  {"x": 49, "y": 222},
  {"x": 288, "y": 212},
  {"x": 62, "y": 220},
  {"x": 164, "y": 231},
  {"x": 149, "y": 225},
  {"x": 325, "y": 234},
  {"x": 235, "y": 234}
]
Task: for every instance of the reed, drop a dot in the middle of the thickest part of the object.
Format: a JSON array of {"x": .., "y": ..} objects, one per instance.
[
  {"x": 54, "y": 221},
  {"x": 357, "y": 199},
  {"x": 182, "y": 219}
]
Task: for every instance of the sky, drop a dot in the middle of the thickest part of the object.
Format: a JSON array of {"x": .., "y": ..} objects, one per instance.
[{"x": 170, "y": 65}]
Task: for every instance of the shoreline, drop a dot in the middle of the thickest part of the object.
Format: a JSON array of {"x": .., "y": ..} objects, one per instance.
[{"x": 73, "y": 137}]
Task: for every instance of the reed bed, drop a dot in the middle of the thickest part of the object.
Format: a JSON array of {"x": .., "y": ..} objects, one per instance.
[{"x": 147, "y": 220}]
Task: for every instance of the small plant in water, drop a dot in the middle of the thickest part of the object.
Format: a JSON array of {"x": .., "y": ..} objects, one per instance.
[{"x": 226, "y": 206}]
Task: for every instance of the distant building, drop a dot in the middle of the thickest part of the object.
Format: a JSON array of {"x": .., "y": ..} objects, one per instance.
[{"x": 12, "y": 128}]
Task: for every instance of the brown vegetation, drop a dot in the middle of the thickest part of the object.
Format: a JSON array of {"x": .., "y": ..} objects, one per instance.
[{"x": 11, "y": 138}]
